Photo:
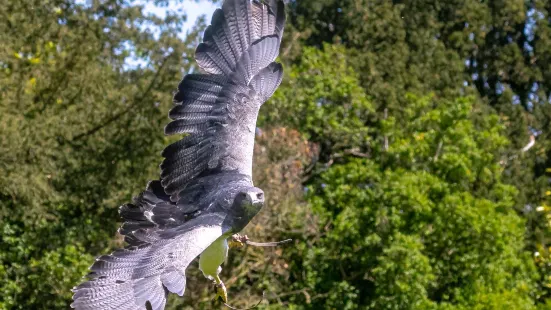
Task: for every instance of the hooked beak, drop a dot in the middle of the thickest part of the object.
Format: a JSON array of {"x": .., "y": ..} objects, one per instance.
[{"x": 257, "y": 199}]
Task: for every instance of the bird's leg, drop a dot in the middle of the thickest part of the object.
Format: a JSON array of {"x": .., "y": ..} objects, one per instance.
[
  {"x": 238, "y": 241},
  {"x": 221, "y": 291}
]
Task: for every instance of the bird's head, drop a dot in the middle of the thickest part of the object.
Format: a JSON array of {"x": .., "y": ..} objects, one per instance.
[{"x": 247, "y": 203}]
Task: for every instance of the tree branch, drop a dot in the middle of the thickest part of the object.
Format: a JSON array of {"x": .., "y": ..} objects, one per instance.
[
  {"x": 354, "y": 152},
  {"x": 527, "y": 147},
  {"x": 296, "y": 36},
  {"x": 438, "y": 150},
  {"x": 385, "y": 146},
  {"x": 530, "y": 144}
]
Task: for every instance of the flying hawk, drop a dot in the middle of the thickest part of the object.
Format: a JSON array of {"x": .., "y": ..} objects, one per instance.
[{"x": 205, "y": 193}]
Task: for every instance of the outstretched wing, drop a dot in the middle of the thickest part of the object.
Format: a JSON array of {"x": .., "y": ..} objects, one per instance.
[
  {"x": 132, "y": 277},
  {"x": 218, "y": 109},
  {"x": 163, "y": 239}
]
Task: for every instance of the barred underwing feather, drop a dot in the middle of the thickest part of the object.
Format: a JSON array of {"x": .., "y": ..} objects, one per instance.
[
  {"x": 178, "y": 183},
  {"x": 210, "y": 59},
  {"x": 217, "y": 33},
  {"x": 195, "y": 119},
  {"x": 175, "y": 281},
  {"x": 175, "y": 167},
  {"x": 280, "y": 18},
  {"x": 179, "y": 126},
  {"x": 150, "y": 290},
  {"x": 107, "y": 295},
  {"x": 184, "y": 153},
  {"x": 242, "y": 10},
  {"x": 235, "y": 34},
  {"x": 258, "y": 56},
  {"x": 260, "y": 20},
  {"x": 187, "y": 155},
  {"x": 189, "y": 108},
  {"x": 200, "y": 82},
  {"x": 267, "y": 81},
  {"x": 174, "y": 148}
]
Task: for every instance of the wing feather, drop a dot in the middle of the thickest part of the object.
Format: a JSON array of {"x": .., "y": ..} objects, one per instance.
[
  {"x": 175, "y": 281},
  {"x": 129, "y": 278},
  {"x": 218, "y": 32},
  {"x": 257, "y": 57},
  {"x": 220, "y": 107},
  {"x": 268, "y": 80},
  {"x": 175, "y": 167}
]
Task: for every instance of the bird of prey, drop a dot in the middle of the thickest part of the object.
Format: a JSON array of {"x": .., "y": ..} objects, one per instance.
[{"x": 205, "y": 193}]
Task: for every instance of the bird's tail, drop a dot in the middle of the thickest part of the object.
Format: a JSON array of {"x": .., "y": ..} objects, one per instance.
[{"x": 129, "y": 279}]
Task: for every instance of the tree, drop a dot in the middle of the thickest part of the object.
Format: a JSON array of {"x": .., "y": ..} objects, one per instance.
[
  {"x": 395, "y": 153},
  {"x": 79, "y": 131},
  {"x": 495, "y": 50},
  {"x": 424, "y": 221}
]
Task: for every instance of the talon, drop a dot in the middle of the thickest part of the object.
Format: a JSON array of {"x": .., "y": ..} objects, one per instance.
[
  {"x": 238, "y": 241},
  {"x": 221, "y": 292}
]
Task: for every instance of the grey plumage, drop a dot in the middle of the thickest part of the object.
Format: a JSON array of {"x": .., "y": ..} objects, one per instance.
[
  {"x": 219, "y": 109},
  {"x": 205, "y": 191}
]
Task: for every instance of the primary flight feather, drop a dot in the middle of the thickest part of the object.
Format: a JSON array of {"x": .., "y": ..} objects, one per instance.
[{"x": 205, "y": 193}]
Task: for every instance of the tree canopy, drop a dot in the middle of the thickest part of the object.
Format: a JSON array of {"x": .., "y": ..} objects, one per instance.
[{"x": 407, "y": 152}]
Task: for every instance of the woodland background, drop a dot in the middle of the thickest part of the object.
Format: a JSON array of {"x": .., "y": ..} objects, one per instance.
[{"x": 407, "y": 152}]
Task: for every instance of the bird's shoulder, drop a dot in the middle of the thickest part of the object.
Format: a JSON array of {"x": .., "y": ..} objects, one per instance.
[{"x": 152, "y": 212}]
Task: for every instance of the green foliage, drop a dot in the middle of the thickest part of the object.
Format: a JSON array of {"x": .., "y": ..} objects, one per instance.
[
  {"x": 402, "y": 121},
  {"x": 327, "y": 99},
  {"x": 497, "y": 50},
  {"x": 321, "y": 95},
  {"x": 421, "y": 221},
  {"x": 404, "y": 273},
  {"x": 413, "y": 228}
]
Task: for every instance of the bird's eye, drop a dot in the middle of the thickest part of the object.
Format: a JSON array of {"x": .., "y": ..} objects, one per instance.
[{"x": 260, "y": 195}]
